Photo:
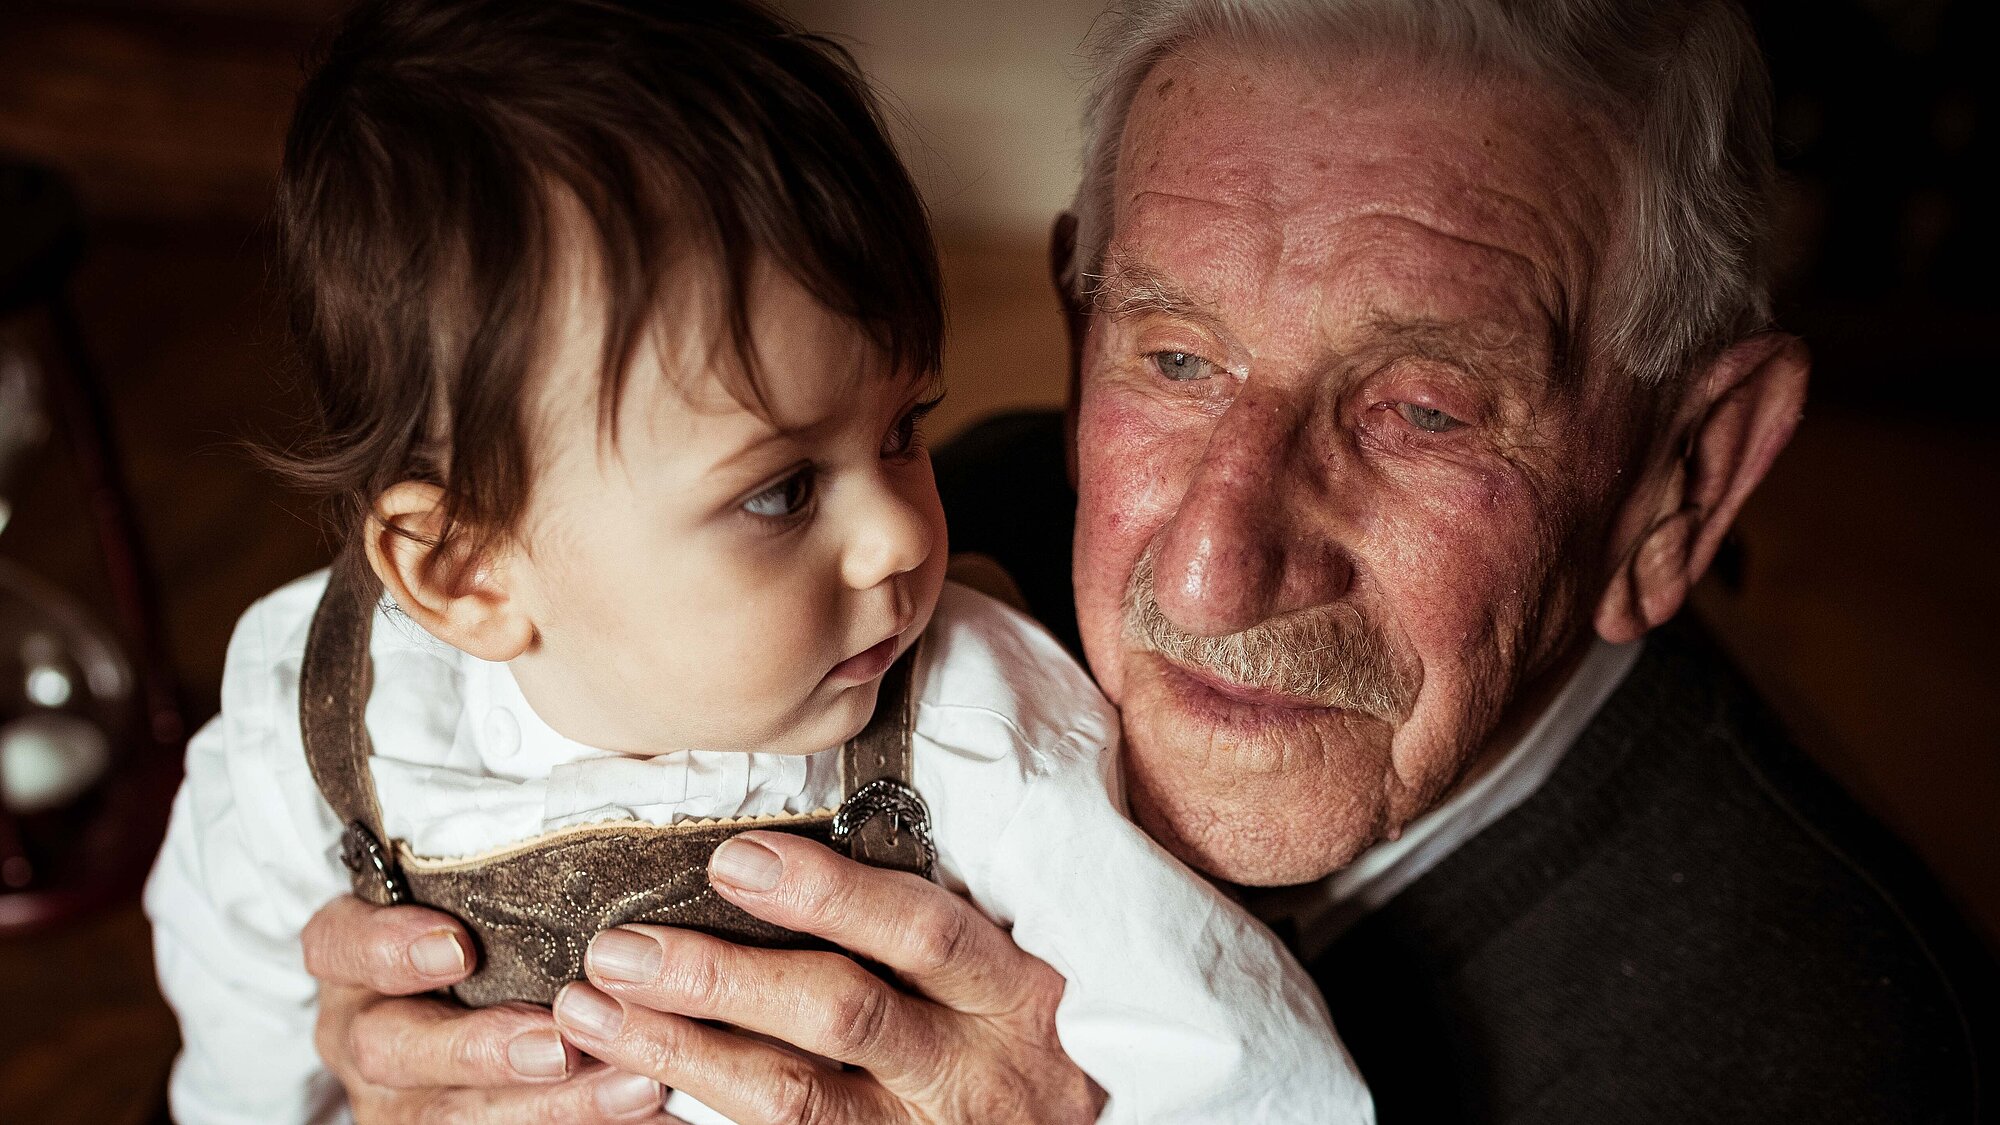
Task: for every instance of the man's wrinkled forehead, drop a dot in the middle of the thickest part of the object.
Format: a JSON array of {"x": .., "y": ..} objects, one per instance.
[
  {"x": 1232, "y": 268},
  {"x": 1253, "y": 166}
]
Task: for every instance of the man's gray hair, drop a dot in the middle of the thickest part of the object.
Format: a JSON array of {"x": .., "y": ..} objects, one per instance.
[{"x": 1682, "y": 80}]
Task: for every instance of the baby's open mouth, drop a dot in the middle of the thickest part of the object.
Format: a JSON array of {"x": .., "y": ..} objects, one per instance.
[{"x": 868, "y": 663}]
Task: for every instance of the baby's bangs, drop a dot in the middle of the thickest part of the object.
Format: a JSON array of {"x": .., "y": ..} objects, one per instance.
[{"x": 790, "y": 165}]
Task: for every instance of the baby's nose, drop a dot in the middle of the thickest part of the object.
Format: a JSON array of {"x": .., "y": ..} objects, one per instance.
[{"x": 893, "y": 537}]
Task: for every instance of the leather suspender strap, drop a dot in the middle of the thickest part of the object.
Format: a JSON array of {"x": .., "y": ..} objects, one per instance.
[
  {"x": 883, "y": 821},
  {"x": 334, "y": 682},
  {"x": 882, "y": 749}
]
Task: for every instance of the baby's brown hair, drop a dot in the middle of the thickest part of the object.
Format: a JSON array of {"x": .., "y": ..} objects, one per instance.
[{"x": 426, "y": 154}]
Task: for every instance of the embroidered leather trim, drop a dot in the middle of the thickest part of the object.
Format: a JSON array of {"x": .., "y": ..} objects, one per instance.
[
  {"x": 622, "y": 826},
  {"x": 549, "y": 931}
]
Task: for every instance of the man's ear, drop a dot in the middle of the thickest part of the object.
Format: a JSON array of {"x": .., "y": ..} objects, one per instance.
[
  {"x": 465, "y": 602},
  {"x": 1062, "y": 251},
  {"x": 1735, "y": 419}
]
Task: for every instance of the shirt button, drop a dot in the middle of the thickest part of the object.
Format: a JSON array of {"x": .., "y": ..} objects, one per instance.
[{"x": 503, "y": 733}]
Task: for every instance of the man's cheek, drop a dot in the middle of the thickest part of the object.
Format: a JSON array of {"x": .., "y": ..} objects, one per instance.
[
  {"x": 1452, "y": 582},
  {"x": 1459, "y": 564},
  {"x": 1127, "y": 492},
  {"x": 1132, "y": 468}
]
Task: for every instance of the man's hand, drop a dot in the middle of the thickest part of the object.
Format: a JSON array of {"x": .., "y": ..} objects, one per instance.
[
  {"x": 405, "y": 1058},
  {"x": 969, "y": 1039}
]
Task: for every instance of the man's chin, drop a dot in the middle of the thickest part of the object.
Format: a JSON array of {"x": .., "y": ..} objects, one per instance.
[
  {"x": 1251, "y": 792},
  {"x": 1228, "y": 850}
]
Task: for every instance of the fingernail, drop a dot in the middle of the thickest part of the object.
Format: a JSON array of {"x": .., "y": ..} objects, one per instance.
[
  {"x": 538, "y": 1054},
  {"x": 624, "y": 955},
  {"x": 589, "y": 1011},
  {"x": 438, "y": 955},
  {"x": 628, "y": 1093},
  {"x": 746, "y": 864}
]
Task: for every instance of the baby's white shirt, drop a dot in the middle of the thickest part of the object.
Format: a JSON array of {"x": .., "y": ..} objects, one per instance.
[{"x": 1176, "y": 1002}]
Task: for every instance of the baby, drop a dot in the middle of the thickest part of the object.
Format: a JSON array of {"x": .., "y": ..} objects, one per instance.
[{"x": 622, "y": 320}]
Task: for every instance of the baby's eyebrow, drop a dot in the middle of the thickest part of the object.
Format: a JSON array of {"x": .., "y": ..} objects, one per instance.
[
  {"x": 928, "y": 386},
  {"x": 750, "y": 449},
  {"x": 924, "y": 386}
]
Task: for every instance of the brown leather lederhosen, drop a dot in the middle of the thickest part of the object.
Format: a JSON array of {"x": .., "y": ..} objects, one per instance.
[{"x": 533, "y": 906}]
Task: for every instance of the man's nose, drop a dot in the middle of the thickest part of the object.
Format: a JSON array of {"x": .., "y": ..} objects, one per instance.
[
  {"x": 1251, "y": 537},
  {"x": 891, "y": 536}
]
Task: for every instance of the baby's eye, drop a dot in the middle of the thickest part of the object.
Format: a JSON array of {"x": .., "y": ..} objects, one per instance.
[
  {"x": 785, "y": 499},
  {"x": 1428, "y": 420},
  {"x": 1181, "y": 367},
  {"x": 903, "y": 436}
]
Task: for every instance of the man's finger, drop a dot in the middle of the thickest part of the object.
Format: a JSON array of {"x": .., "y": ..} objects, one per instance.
[
  {"x": 747, "y": 1081},
  {"x": 407, "y": 1044},
  {"x": 602, "y": 1096},
  {"x": 936, "y": 942},
  {"x": 822, "y": 1003},
  {"x": 393, "y": 950}
]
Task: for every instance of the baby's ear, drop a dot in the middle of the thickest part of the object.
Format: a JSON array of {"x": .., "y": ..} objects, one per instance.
[{"x": 461, "y": 599}]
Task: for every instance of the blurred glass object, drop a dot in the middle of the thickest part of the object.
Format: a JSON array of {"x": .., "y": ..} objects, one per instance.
[
  {"x": 91, "y": 728},
  {"x": 49, "y": 760},
  {"x": 24, "y": 424},
  {"x": 65, "y": 696}
]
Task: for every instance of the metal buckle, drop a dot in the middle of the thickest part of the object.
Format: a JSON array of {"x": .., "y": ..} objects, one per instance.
[
  {"x": 363, "y": 856},
  {"x": 906, "y": 811}
]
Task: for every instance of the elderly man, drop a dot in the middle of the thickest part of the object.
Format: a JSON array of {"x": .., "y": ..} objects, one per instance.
[{"x": 1423, "y": 361}]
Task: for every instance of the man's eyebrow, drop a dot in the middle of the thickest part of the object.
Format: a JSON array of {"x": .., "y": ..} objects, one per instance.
[
  {"x": 1483, "y": 350},
  {"x": 1126, "y": 287}
]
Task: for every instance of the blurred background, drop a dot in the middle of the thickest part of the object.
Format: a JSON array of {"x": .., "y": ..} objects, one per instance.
[{"x": 1860, "y": 593}]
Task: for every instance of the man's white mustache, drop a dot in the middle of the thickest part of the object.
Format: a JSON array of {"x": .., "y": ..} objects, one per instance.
[{"x": 1329, "y": 655}]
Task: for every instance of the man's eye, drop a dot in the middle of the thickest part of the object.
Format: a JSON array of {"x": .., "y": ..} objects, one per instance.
[
  {"x": 1181, "y": 367},
  {"x": 904, "y": 435},
  {"x": 1426, "y": 419},
  {"x": 785, "y": 499}
]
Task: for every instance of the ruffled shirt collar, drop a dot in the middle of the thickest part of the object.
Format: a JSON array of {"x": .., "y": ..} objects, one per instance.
[{"x": 505, "y": 775}]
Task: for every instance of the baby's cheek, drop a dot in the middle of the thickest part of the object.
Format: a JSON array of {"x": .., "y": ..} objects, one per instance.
[
  {"x": 760, "y": 659},
  {"x": 927, "y": 581},
  {"x": 694, "y": 673}
]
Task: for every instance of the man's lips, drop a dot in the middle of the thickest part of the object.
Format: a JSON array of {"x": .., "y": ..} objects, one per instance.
[{"x": 868, "y": 663}]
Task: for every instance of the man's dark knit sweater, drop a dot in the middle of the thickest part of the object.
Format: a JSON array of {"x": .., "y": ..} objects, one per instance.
[{"x": 1688, "y": 922}]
